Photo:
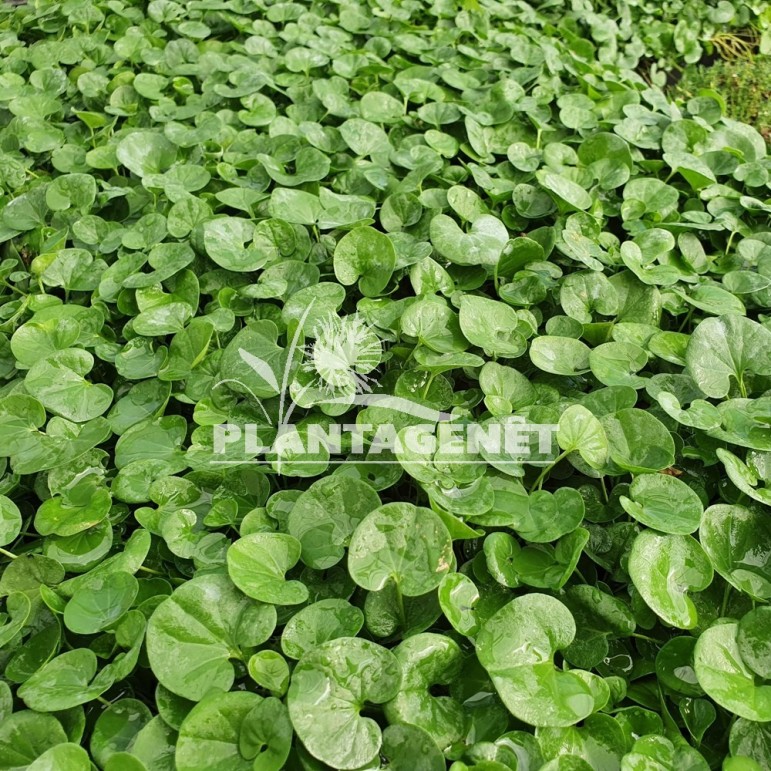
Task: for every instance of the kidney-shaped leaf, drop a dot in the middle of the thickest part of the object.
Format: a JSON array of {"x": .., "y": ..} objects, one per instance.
[
  {"x": 492, "y": 325},
  {"x": 580, "y": 431},
  {"x": 726, "y": 347},
  {"x": 193, "y": 634},
  {"x": 548, "y": 516},
  {"x": 209, "y": 738},
  {"x": 737, "y": 541},
  {"x": 481, "y": 246},
  {"x": 59, "y": 384},
  {"x": 101, "y": 604},
  {"x": 726, "y": 678},
  {"x": 399, "y": 541},
  {"x": 517, "y": 646},
  {"x": 409, "y": 748},
  {"x": 326, "y": 514},
  {"x": 257, "y": 563},
  {"x": 329, "y": 687},
  {"x": 664, "y": 568},
  {"x": 560, "y": 355},
  {"x": 664, "y": 503},
  {"x": 754, "y": 639},
  {"x": 638, "y": 441},
  {"x": 26, "y": 735},
  {"x": 458, "y": 597},
  {"x": 365, "y": 255},
  {"x": 428, "y": 660},
  {"x": 318, "y": 623},
  {"x": 146, "y": 152}
]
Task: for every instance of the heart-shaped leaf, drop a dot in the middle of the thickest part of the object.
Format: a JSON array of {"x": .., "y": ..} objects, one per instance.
[{"x": 664, "y": 568}]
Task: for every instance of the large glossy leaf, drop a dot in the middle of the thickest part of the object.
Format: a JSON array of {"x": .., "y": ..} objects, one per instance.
[
  {"x": 663, "y": 503},
  {"x": 330, "y": 685},
  {"x": 193, "y": 635},
  {"x": 428, "y": 660},
  {"x": 325, "y": 516},
  {"x": 737, "y": 541},
  {"x": 257, "y": 563},
  {"x": 517, "y": 647},
  {"x": 401, "y": 542},
  {"x": 664, "y": 569},
  {"x": 728, "y": 348},
  {"x": 726, "y": 678}
]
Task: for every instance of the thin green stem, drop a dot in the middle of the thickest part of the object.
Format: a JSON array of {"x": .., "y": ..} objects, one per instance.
[
  {"x": 604, "y": 489},
  {"x": 14, "y": 288},
  {"x": 400, "y": 606},
  {"x": 646, "y": 638},
  {"x": 542, "y": 476},
  {"x": 150, "y": 570},
  {"x": 9, "y": 554},
  {"x": 726, "y": 596},
  {"x": 430, "y": 380},
  {"x": 730, "y": 241},
  {"x": 686, "y": 320}
]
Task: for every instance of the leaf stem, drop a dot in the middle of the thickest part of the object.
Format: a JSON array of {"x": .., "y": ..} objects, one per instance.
[
  {"x": 742, "y": 387},
  {"x": 150, "y": 570},
  {"x": 645, "y": 637},
  {"x": 400, "y": 606},
  {"x": 9, "y": 554},
  {"x": 726, "y": 596},
  {"x": 539, "y": 481},
  {"x": 424, "y": 393},
  {"x": 604, "y": 489}
]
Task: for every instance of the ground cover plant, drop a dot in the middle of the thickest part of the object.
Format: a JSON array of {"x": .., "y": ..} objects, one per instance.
[{"x": 309, "y": 215}]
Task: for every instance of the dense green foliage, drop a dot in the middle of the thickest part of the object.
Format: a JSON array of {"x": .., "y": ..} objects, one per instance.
[{"x": 227, "y": 211}]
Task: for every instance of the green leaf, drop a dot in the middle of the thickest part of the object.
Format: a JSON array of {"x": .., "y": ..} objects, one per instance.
[
  {"x": 737, "y": 541},
  {"x": 664, "y": 569},
  {"x": 26, "y": 735},
  {"x": 754, "y": 641},
  {"x": 318, "y": 623},
  {"x": 365, "y": 255},
  {"x": 329, "y": 686},
  {"x": 270, "y": 671},
  {"x": 146, "y": 152},
  {"x": 724, "y": 348},
  {"x": 638, "y": 441},
  {"x": 210, "y": 736},
  {"x": 408, "y": 544},
  {"x": 664, "y": 503},
  {"x": 10, "y": 520},
  {"x": 492, "y": 325},
  {"x": 482, "y": 245},
  {"x": 325, "y": 516},
  {"x": 726, "y": 678},
  {"x": 517, "y": 646},
  {"x": 410, "y": 748},
  {"x": 59, "y": 384},
  {"x": 102, "y": 604},
  {"x": 117, "y": 727},
  {"x": 426, "y": 661},
  {"x": 257, "y": 563},
  {"x": 560, "y": 355},
  {"x": 579, "y": 431},
  {"x": 565, "y": 191},
  {"x": 193, "y": 634}
]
